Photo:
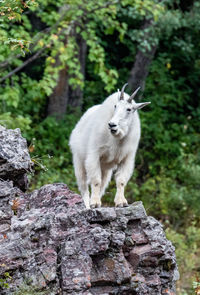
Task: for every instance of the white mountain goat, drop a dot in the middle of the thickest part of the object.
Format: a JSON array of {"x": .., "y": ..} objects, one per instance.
[{"x": 105, "y": 140}]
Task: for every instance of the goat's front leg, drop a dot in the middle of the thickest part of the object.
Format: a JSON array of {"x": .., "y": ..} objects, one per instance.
[
  {"x": 94, "y": 177},
  {"x": 95, "y": 201},
  {"x": 122, "y": 176},
  {"x": 120, "y": 200}
]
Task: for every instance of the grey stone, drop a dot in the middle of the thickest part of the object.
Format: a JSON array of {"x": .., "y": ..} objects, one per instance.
[
  {"x": 134, "y": 211},
  {"x": 15, "y": 160}
]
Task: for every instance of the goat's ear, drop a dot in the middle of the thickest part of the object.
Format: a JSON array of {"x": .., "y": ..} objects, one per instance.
[{"x": 141, "y": 105}]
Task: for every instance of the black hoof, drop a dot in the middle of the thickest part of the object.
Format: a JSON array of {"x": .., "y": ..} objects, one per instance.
[
  {"x": 119, "y": 205},
  {"x": 93, "y": 206},
  {"x": 125, "y": 205}
]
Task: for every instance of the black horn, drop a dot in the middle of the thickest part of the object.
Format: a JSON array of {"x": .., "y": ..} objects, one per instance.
[
  {"x": 134, "y": 94},
  {"x": 122, "y": 91}
]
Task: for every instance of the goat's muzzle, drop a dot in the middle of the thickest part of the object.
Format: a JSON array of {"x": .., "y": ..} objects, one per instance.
[{"x": 112, "y": 126}]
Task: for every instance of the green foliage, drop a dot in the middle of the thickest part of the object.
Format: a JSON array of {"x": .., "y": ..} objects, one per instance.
[
  {"x": 174, "y": 193},
  {"x": 196, "y": 286},
  {"x": 10, "y": 121},
  {"x": 173, "y": 129},
  {"x": 11, "y": 12},
  {"x": 60, "y": 40},
  {"x": 52, "y": 165},
  {"x": 11, "y": 9},
  {"x": 26, "y": 289},
  {"x": 187, "y": 246},
  {"x": 4, "y": 280}
]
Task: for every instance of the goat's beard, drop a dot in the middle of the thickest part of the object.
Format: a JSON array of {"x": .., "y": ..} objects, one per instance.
[{"x": 120, "y": 133}]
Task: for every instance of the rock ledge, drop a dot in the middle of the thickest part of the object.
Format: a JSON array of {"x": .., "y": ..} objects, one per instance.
[
  {"x": 55, "y": 244},
  {"x": 51, "y": 245}
]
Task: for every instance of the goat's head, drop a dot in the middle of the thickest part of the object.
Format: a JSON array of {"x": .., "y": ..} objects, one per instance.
[{"x": 123, "y": 113}]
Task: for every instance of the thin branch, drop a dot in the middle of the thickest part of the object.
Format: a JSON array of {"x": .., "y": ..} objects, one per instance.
[
  {"x": 35, "y": 56},
  {"x": 28, "y": 61},
  {"x": 6, "y": 62},
  {"x": 32, "y": 45}
]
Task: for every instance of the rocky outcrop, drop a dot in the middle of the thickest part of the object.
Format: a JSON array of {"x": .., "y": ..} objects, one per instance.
[
  {"x": 15, "y": 161},
  {"x": 51, "y": 244},
  {"x": 57, "y": 245}
]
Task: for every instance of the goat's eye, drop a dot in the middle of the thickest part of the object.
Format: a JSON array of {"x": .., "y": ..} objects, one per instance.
[
  {"x": 128, "y": 110},
  {"x": 115, "y": 106}
]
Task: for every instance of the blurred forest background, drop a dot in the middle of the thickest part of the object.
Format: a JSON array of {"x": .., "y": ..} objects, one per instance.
[{"x": 59, "y": 57}]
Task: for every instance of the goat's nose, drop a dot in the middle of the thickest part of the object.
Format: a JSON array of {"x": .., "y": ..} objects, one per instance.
[{"x": 111, "y": 124}]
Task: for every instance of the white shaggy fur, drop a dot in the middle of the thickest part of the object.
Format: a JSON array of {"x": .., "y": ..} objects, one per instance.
[{"x": 106, "y": 139}]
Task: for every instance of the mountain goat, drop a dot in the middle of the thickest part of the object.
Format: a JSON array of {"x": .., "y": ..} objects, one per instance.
[{"x": 105, "y": 140}]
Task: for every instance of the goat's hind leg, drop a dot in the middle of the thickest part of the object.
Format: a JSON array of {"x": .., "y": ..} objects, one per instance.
[
  {"x": 106, "y": 177},
  {"x": 81, "y": 178}
]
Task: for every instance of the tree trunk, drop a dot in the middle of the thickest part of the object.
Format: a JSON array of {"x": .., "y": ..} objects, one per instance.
[
  {"x": 76, "y": 94},
  {"x": 64, "y": 95},
  {"x": 58, "y": 99},
  {"x": 141, "y": 65},
  {"x": 140, "y": 68},
  {"x": 57, "y": 104}
]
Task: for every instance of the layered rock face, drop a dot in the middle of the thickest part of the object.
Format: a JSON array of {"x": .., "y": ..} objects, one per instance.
[{"x": 51, "y": 244}]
